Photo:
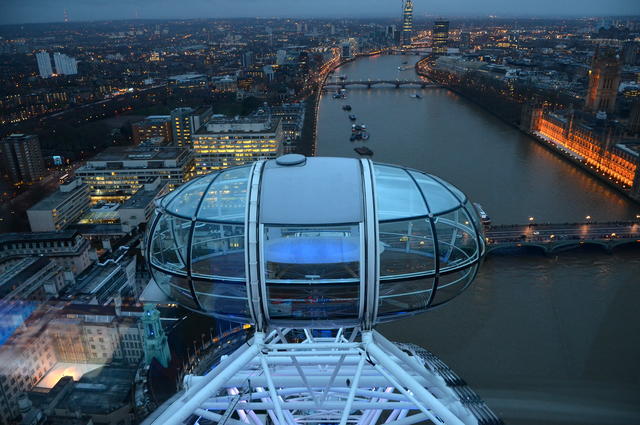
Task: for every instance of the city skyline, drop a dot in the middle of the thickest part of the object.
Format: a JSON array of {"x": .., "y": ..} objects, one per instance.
[{"x": 38, "y": 11}]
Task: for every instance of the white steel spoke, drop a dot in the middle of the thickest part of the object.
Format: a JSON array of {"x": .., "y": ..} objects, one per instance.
[{"x": 350, "y": 378}]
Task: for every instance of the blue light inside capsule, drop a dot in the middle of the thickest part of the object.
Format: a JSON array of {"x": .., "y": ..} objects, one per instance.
[{"x": 307, "y": 250}]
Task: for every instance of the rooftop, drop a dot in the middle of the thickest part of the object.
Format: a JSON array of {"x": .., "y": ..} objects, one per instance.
[
  {"x": 140, "y": 199},
  {"x": 56, "y": 198},
  {"x": 20, "y": 272},
  {"x": 37, "y": 236},
  {"x": 101, "y": 390},
  {"x": 143, "y": 153}
]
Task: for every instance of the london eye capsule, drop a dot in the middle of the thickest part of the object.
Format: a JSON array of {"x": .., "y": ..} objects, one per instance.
[{"x": 314, "y": 243}]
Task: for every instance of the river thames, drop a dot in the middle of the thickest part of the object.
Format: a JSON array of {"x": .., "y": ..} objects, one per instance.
[{"x": 552, "y": 340}]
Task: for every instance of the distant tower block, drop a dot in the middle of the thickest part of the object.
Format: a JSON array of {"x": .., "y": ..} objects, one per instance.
[
  {"x": 155, "y": 340},
  {"x": 440, "y": 36},
  {"x": 407, "y": 23},
  {"x": 604, "y": 79}
]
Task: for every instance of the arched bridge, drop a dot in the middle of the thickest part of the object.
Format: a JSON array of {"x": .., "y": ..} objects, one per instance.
[
  {"x": 552, "y": 238},
  {"x": 371, "y": 83}
]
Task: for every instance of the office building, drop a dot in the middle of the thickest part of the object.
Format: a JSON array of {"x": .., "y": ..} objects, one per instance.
[
  {"x": 25, "y": 358},
  {"x": 281, "y": 57},
  {"x": 348, "y": 48},
  {"x": 60, "y": 209},
  {"x": 604, "y": 79},
  {"x": 22, "y": 158},
  {"x": 65, "y": 65},
  {"x": 31, "y": 279},
  {"x": 407, "y": 23},
  {"x": 44, "y": 64},
  {"x": 440, "y": 37},
  {"x": 139, "y": 208},
  {"x": 117, "y": 173},
  {"x": 67, "y": 248},
  {"x": 186, "y": 121},
  {"x": 152, "y": 127},
  {"x": 247, "y": 59},
  {"x": 105, "y": 282},
  {"x": 225, "y": 142}
]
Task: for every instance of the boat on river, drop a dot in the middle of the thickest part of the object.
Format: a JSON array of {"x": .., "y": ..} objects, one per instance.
[
  {"x": 346, "y": 108},
  {"x": 484, "y": 217},
  {"x": 363, "y": 150},
  {"x": 352, "y": 117}
]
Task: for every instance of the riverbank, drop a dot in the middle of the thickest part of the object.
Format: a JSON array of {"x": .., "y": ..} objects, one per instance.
[{"x": 516, "y": 125}]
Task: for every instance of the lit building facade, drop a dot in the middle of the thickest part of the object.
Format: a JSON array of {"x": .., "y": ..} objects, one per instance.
[
  {"x": 440, "y": 37},
  {"x": 604, "y": 79},
  {"x": 61, "y": 208},
  {"x": 65, "y": 65},
  {"x": 595, "y": 148},
  {"x": 24, "y": 359},
  {"x": 186, "y": 121},
  {"x": 227, "y": 142},
  {"x": 22, "y": 158},
  {"x": 407, "y": 23},
  {"x": 44, "y": 64},
  {"x": 152, "y": 127},
  {"x": 116, "y": 173}
]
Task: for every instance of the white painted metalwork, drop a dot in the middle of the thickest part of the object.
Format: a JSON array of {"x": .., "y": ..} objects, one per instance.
[{"x": 289, "y": 377}]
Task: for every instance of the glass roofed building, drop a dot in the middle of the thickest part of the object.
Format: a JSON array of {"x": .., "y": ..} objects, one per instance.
[{"x": 315, "y": 243}]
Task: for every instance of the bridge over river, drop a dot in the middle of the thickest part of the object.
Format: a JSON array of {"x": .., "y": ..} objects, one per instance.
[
  {"x": 552, "y": 238},
  {"x": 370, "y": 83}
]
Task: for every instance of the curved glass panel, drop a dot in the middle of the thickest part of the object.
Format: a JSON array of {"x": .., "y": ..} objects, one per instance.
[
  {"x": 187, "y": 199},
  {"x": 224, "y": 299},
  {"x": 169, "y": 243},
  {"x": 312, "y": 253},
  {"x": 175, "y": 287},
  {"x": 323, "y": 303},
  {"x": 475, "y": 217},
  {"x": 437, "y": 196},
  {"x": 406, "y": 247},
  {"x": 404, "y": 296},
  {"x": 457, "y": 192},
  {"x": 457, "y": 241},
  {"x": 226, "y": 198},
  {"x": 218, "y": 250},
  {"x": 397, "y": 196},
  {"x": 452, "y": 284}
]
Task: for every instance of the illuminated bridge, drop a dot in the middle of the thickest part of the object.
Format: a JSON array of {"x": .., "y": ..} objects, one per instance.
[
  {"x": 552, "y": 238},
  {"x": 370, "y": 83}
]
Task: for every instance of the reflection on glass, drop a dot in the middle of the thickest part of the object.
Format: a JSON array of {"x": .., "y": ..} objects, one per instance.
[
  {"x": 226, "y": 299},
  {"x": 396, "y": 194},
  {"x": 226, "y": 197},
  {"x": 406, "y": 247},
  {"x": 218, "y": 250},
  {"x": 169, "y": 243},
  {"x": 312, "y": 253}
]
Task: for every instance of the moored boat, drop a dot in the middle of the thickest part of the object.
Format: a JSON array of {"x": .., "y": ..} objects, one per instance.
[{"x": 363, "y": 150}]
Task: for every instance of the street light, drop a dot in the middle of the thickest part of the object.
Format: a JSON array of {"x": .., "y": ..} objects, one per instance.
[
  {"x": 531, "y": 218},
  {"x": 588, "y": 217}
]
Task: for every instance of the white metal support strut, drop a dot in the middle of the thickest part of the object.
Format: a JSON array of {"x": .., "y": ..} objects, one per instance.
[{"x": 359, "y": 379}]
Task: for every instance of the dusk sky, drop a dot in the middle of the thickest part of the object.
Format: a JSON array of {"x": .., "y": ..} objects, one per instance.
[{"x": 21, "y": 11}]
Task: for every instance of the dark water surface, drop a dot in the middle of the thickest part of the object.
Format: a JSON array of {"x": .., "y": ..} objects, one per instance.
[{"x": 544, "y": 340}]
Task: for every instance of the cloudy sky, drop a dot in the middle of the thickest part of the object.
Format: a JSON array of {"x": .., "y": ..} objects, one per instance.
[{"x": 21, "y": 11}]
